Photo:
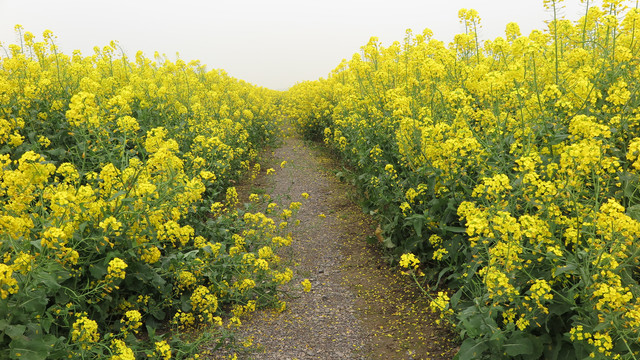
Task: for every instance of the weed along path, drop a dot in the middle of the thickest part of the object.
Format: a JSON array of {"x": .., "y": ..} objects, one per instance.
[{"x": 358, "y": 307}]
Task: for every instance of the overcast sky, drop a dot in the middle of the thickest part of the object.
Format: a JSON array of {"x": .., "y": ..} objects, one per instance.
[{"x": 268, "y": 43}]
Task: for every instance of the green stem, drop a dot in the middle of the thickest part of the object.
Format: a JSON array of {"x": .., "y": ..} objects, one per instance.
[
  {"x": 475, "y": 32},
  {"x": 535, "y": 83},
  {"x": 555, "y": 37},
  {"x": 584, "y": 25}
]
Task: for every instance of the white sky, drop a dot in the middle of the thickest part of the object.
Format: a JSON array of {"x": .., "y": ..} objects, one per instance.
[{"x": 268, "y": 43}]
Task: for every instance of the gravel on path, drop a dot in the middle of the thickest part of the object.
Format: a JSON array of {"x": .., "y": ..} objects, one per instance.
[
  {"x": 358, "y": 307},
  {"x": 321, "y": 324}
]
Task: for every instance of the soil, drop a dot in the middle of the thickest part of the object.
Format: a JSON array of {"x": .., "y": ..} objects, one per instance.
[{"x": 359, "y": 306}]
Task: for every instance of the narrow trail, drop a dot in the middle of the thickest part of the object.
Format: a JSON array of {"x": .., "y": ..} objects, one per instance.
[{"x": 358, "y": 307}]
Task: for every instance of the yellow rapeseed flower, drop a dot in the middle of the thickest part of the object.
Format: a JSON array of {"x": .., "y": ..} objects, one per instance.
[
  {"x": 409, "y": 260},
  {"x": 306, "y": 285}
]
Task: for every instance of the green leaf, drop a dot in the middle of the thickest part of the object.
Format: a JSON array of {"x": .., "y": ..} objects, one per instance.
[
  {"x": 388, "y": 243},
  {"x": 36, "y": 303},
  {"x": 553, "y": 350},
  {"x": 630, "y": 184},
  {"x": 157, "y": 281},
  {"x": 455, "y": 298},
  {"x": 52, "y": 278},
  {"x": 57, "y": 152},
  {"x": 454, "y": 229},
  {"x": 15, "y": 331},
  {"x": 46, "y": 322},
  {"x": 116, "y": 195},
  {"x": 30, "y": 349},
  {"x": 560, "y": 308},
  {"x": 97, "y": 270},
  {"x": 519, "y": 345},
  {"x": 417, "y": 220},
  {"x": 186, "y": 303},
  {"x": 417, "y": 225},
  {"x": 37, "y": 244},
  {"x": 151, "y": 332},
  {"x": 634, "y": 212},
  {"x": 570, "y": 268},
  {"x": 471, "y": 349},
  {"x": 558, "y": 138}
]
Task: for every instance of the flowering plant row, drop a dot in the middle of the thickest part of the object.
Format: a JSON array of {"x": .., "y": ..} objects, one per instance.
[
  {"x": 507, "y": 170},
  {"x": 119, "y": 230}
]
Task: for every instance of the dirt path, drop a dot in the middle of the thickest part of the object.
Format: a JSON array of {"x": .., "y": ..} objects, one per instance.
[{"x": 358, "y": 308}]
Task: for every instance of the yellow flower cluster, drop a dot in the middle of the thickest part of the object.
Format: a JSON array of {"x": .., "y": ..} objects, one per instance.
[
  {"x": 115, "y": 186},
  {"x": 85, "y": 331},
  {"x": 409, "y": 260},
  {"x": 540, "y": 293},
  {"x": 520, "y": 153},
  {"x": 283, "y": 277},
  {"x": 131, "y": 322},
  {"x": 162, "y": 350},
  {"x": 8, "y": 285},
  {"x": 116, "y": 269},
  {"x": 121, "y": 351},
  {"x": 306, "y": 285},
  {"x": 186, "y": 280},
  {"x": 441, "y": 306},
  {"x": 204, "y": 303}
]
